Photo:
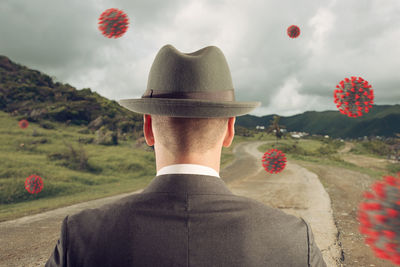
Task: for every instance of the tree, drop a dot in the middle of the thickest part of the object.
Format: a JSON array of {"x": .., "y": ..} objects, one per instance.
[{"x": 275, "y": 126}]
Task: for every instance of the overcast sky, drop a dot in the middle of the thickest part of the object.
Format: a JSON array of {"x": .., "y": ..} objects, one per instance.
[{"x": 338, "y": 39}]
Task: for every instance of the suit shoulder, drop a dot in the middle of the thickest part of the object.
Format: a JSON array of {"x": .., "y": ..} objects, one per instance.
[
  {"x": 101, "y": 211},
  {"x": 257, "y": 208}
]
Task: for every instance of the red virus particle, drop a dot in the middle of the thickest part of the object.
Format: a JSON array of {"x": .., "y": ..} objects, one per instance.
[
  {"x": 23, "y": 124},
  {"x": 34, "y": 184},
  {"x": 353, "y": 97},
  {"x": 293, "y": 31},
  {"x": 113, "y": 23},
  {"x": 379, "y": 217},
  {"x": 274, "y": 161}
]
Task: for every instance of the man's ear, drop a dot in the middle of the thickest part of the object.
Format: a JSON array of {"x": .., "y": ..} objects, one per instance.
[
  {"x": 230, "y": 133},
  {"x": 147, "y": 130}
]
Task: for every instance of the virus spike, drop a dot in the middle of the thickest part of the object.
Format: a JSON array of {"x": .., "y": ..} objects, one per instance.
[
  {"x": 390, "y": 180},
  {"x": 380, "y": 218},
  {"x": 369, "y": 195},
  {"x": 379, "y": 189},
  {"x": 391, "y": 247},
  {"x": 392, "y": 213}
]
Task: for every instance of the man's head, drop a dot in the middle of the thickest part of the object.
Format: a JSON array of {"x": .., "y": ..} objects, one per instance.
[{"x": 183, "y": 136}]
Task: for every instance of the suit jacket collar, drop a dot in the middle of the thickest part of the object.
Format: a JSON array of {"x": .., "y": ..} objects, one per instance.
[{"x": 187, "y": 184}]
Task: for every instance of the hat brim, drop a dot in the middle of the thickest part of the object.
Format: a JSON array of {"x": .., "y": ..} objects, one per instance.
[{"x": 188, "y": 108}]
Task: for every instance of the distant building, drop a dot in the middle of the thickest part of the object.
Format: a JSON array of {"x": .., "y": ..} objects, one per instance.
[
  {"x": 298, "y": 134},
  {"x": 260, "y": 127}
]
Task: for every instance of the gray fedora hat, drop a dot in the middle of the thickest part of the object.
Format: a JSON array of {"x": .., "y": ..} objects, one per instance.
[{"x": 191, "y": 85}]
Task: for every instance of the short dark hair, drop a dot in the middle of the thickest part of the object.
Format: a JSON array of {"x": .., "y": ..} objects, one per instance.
[{"x": 183, "y": 135}]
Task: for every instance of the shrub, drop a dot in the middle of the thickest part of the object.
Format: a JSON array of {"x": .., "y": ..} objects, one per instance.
[
  {"x": 105, "y": 137},
  {"x": 36, "y": 133},
  {"x": 84, "y": 131},
  {"x": 376, "y": 147},
  {"x": 46, "y": 125},
  {"x": 242, "y": 131},
  {"x": 13, "y": 191},
  {"x": 326, "y": 150},
  {"x": 83, "y": 140},
  {"x": 293, "y": 149},
  {"x": 393, "y": 167},
  {"x": 74, "y": 159},
  {"x": 39, "y": 141}
]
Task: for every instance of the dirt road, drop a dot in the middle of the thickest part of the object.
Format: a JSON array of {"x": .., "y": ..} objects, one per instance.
[
  {"x": 345, "y": 188},
  {"x": 295, "y": 191},
  {"x": 30, "y": 240}
]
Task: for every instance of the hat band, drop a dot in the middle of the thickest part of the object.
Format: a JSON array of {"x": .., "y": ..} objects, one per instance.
[{"x": 221, "y": 95}]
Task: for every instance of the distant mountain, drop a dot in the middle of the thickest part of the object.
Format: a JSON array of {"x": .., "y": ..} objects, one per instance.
[
  {"x": 382, "y": 120},
  {"x": 34, "y": 96}
]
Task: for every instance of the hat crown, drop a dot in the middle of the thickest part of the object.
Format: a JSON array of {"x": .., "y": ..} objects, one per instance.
[
  {"x": 203, "y": 70},
  {"x": 189, "y": 85}
]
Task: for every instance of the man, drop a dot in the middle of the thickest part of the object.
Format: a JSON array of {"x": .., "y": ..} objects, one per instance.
[{"x": 187, "y": 216}]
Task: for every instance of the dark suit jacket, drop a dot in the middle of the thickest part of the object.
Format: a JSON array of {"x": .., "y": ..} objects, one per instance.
[{"x": 185, "y": 220}]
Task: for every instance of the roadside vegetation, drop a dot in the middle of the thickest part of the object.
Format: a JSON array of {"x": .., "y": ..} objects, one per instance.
[{"x": 326, "y": 152}]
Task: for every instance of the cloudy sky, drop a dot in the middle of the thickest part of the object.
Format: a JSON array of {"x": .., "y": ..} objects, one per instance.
[{"x": 339, "y": 38}]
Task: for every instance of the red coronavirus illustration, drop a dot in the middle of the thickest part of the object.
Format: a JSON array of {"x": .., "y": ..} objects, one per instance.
[
  {"x": 293, "y": 31},
  {"x": 379, "y": 217},
  {"x": 34, "y": 184},
  {"x": 113, "y": 23},
  {"x": 23, "y": 124},
  {"x": 274, "y": 161},
  {"x": 353, "y": 97}
]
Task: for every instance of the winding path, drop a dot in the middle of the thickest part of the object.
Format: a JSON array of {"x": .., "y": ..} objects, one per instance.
[{"x": 295, "y": 191}]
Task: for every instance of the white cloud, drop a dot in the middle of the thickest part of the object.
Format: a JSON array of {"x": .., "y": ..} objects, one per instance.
[
  {"x": 338, "y": 39},
  {"x": 322, "y": 23},
  {"x": 289, "y": 101}
]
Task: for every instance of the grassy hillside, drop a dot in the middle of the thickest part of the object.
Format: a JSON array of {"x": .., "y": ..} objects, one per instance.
[
  {"x": 34, "y": 96},
  {"x": 73, "y": 170}
]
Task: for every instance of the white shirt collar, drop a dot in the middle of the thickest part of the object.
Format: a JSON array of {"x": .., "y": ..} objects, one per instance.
[{"x": 188, "y": 169}]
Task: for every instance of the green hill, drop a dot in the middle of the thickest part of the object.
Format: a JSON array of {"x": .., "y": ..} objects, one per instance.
[
  {"x": 382, "y": 120},
  {"x": 32, "y": 95}
]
